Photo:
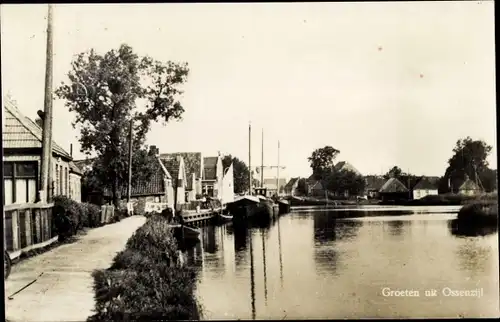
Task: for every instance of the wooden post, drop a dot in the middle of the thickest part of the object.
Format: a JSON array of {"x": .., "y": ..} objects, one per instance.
[
  {"x": 129, "y": 186},
  {"x": 46, "y": 173}
]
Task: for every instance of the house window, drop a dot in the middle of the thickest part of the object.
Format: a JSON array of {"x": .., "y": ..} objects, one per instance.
[
  {"x": 66, "y": 183},
  {"x": 56, "y": 182},
  {"x": 61, "y": 177},
  {"x": 20, "y": 182}
]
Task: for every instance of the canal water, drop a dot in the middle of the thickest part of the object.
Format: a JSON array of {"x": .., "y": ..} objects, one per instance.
[{"x": 377, "y": 262}]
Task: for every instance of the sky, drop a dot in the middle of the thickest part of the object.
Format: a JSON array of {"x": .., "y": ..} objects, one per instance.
[{"x": 385, "y": 83}]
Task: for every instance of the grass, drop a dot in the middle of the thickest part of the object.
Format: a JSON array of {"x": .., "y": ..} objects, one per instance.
[{"x": 145, "y": 281}]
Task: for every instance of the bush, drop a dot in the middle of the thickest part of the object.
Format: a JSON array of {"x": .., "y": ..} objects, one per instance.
[
  {"x": 143, "y": 283},
  {"x": 68, "y": 216},
  {"x": 478, "y": 214},
  {"x": 93, "y": 215}
]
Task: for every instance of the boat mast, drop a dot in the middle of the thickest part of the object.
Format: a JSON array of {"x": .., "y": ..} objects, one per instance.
[
  {"x": 278, "y": 172},
  {"x": 250, "y": 158},
  {"x": 262, "y": 162}
]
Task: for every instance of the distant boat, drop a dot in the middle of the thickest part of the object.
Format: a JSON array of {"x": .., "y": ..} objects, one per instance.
[{"x": 284, "y": 206}]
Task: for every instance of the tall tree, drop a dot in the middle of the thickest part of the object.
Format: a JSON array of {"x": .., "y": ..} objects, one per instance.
[
  {"x": 322, "y": 161},
  {"x": 106, "y": 92},
  {"x": 344, "y": 180},
  {"x": 469, "y": 158},
  {"x": 302, "y": 186},
  {"x": 394, "y": 172},
  {"x": 240, "y": 172}
]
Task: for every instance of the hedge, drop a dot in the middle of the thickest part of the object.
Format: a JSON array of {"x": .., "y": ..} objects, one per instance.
[
  {"x": 146, "y": 281},
  {"x": 70, "y": 216}
]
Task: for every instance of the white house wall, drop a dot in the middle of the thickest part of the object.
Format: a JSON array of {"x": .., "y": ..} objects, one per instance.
[
  {"x": 228, "y": 186},
  {"x": 421, "y": 193}
]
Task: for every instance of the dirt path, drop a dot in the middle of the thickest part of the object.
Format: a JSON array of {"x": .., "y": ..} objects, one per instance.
[{"x": 64, "y": 291}]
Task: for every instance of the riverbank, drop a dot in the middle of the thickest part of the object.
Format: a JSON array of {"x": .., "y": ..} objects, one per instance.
[
  {"x": 431, "y": 200},
  {"x": 57, "y": 285},
  {"x": 146, "y": 280},
  {"x": 478, "y": 214}
]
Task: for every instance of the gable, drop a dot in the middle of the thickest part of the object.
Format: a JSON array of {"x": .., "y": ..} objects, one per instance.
[
  {"x": 192, "y": 161},
  {"x": 210, "y": 168},
  {"x": 425, "y": 184},
  {"x": 393, "y": 185},
  {"x": 291, "y": 183}
]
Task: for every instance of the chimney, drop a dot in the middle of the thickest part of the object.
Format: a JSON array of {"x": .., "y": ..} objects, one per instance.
[
  {"x": 153, "y": 150},
  {"x": 71, "y": 149}
]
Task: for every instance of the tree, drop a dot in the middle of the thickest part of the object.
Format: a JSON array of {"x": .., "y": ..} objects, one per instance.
[
  {"x": 322, "y": 161},
  {"x": 240, "y": 172},
  {"x": 344, "y": 180},
  {"x": 394, "y": 172},
  {"x": 469, "y": 158},
  {"x": 107, "y": 92},
  {"x": 302, "y": 186}
]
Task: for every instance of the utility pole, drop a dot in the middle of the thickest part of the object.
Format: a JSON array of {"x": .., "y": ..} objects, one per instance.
[
  {"x": 46, "y": 175},
  {"x": 129, "y": 187},
  {"x": 262, "y": 163},
  {"x": 250, "y": 158}
]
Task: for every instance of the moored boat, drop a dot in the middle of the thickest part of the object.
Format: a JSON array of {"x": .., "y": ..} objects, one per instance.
[
  {"x": 185, "y": 234},
  {"x": 284, "y": 206}
]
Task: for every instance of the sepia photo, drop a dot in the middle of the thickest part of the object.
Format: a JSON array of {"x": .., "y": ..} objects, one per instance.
[{"x": 255, "y": 161}]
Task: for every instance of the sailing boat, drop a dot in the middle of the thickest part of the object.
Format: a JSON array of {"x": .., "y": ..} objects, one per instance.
[{"x": 245, "y": 207}]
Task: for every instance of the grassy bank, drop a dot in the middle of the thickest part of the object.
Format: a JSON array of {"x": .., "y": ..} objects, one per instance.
[
  {"x": 311, "y": 201},
  {"x": 478, "y": 214},
  {"x": 146, "y": 281},
  {"x": 451, "y": 200}
]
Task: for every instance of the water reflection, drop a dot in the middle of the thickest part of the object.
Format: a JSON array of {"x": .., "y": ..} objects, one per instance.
[
  {"x": 328, "y": 228},
  {"x": 460, "y": 230},
  {"x": 304, "y": 264},
  {"x": 395, "y": 227}
]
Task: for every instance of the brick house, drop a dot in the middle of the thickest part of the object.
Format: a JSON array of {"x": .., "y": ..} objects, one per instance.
[{"x": 22, "y": 143}]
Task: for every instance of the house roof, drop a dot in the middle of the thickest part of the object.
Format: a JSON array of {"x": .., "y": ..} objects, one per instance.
[
  {"x": 346, "y": 166},
  {"x": 393, "y": 185},
  {"x": 315, "y": 185},
  {"x": 172, "y": 165},
  {"x": 73, "y": 168},
  {"x": 426, "y": 183},
  {"x": 20, "y": 131},
  {"x": 291, "y": 182},
  {"x": 210, "y": 168},
  {"x": 409, "y": 181},
  {"x": 469, "y": 185},
  {"x": 154, "y": 186},
  {"x": 192, "y": 161},
  {"x": 84, "y": 165},
  {"x": 374, "y": 182}
]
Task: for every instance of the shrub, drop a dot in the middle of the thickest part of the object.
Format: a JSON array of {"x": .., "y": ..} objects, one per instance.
[
  {"x": 93, "y": 215},
  {"x": 143, "y": 283},
  {"x": 478, "y": 214},
  {"x": 68, "y": 216}
]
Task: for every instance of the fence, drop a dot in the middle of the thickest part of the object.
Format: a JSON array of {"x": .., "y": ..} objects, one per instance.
[
  {"x": 107, "y": 212},
  {"x": 27, "y": 227}
]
